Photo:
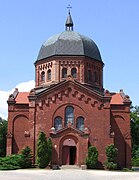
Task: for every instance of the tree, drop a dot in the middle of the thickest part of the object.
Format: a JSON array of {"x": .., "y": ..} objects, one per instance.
[
  {"x": 134, "y": 116},
  {"x": 49, "y": 148},
  {"x": 111, "y": 152},
  {"x": 135, "y": 159},
  {"x": 92, "y": 159},
  {"x": 44, "y": 150},
  {"x": 3, "y": 133},
  {"x": 25, "y": 160}
]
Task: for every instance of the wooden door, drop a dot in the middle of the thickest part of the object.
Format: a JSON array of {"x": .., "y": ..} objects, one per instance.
[{"x": 66, "y": 155}]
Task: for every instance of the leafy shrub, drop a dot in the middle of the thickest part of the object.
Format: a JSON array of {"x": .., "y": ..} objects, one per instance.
[
  {"x": 135, "y": 161},
  {"x": 136, "y": 155},
  {"x": 92, "y": 159},
  {"x": 128, "y": 170},
  {"x": 110, "y": 165},
  {"x": 10, "y": 162},
  {"x": 15, "y": 161},
  {"x": 111, "y": 152},
  {"x": 25, "y": 160}
]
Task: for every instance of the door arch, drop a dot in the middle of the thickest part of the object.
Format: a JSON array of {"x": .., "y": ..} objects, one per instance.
[{"x": 68, "y": 151}]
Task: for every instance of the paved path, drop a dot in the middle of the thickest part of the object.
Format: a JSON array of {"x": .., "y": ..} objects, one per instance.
[{"x": 68, "y": 174}]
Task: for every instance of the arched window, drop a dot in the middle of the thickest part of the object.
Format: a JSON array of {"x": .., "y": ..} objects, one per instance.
[
  {"x": 58, "y": 123},
  {"x": 74, "y": 72},
  {"x": 49, "y": 74},
  {"x": 64, "y": 73},
  {"x": 69, "y": 115},
  {"x": 43, "y": 76},
  {"x": 89, "y": 75},
  {"x": 80, "y": 123}
]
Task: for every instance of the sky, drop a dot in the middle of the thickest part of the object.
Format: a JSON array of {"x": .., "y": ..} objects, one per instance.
[{"x": 26, "y": 24}]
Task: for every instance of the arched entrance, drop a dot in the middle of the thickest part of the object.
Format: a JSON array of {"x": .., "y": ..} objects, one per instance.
[{"x": 69, "y": 152}]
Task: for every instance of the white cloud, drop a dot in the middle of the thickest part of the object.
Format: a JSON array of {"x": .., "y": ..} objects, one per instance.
[
  {"x": 25, "y": 86},
  {"x": 3, "y": 104},
  {"x": 22, "y": 87}
]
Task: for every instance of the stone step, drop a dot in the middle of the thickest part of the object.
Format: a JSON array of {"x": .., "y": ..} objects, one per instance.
[{"x": 69, "y": 167}]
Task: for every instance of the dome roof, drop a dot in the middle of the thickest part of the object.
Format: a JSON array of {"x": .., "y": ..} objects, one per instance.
[{"x": 69, "y": 43}]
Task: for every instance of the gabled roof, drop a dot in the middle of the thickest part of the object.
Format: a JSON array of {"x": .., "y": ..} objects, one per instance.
[
  {"x": 68, "y": 82},
  {"x": 116, "y": 99},
  {"x": 120, "y": 98},
  {"x": 69, "y": 129},
  {"x": 22, "y": 98}
]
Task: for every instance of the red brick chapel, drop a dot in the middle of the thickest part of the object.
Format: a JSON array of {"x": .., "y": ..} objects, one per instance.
[{"x": 70, "y": 104}]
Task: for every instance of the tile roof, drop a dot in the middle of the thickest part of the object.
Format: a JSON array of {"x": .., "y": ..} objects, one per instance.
[
  {"x": 116, "y": 99},
  {"x": 22, "y": 98}
]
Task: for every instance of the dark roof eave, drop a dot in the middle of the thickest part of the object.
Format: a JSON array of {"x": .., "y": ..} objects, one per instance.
[{"x": 58, "y": 55}]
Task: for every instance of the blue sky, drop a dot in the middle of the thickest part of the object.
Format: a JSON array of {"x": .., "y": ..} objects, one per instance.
[{"x": 112, "y": 24}]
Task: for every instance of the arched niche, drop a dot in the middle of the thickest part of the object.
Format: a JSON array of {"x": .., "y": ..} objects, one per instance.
[{"x": 20, "y": 132}]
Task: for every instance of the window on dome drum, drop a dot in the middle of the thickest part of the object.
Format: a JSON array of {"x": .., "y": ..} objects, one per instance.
[
  {"x": 74, "y": 72},
  {"x": 49, "y": 74},
  {"x": 95, "y": 77},
  {"x": 58, "y": 123},
  {"x": 89, "y": 75},
  {"x": 80, "y": 123},
  {"x": 64, "y": 73},
  {"x": 69, "y": 115},
  {"x": 43, "y": 76}
]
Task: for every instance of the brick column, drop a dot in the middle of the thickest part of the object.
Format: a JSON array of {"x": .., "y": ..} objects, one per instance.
[
  {"x": 128, "y": 152},
  {"x": 9, "y": 144},
  {"x": 11, "y": 105},
  {"x": 32, "y": 123}
]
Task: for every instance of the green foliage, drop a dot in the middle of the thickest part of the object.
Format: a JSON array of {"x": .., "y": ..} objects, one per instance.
[
  {"x": 49, "y": 148},
  {"x": 134, "y": 124},
  {"x": 25, "y": 160},
  {"x": 92, "y": 159},
  {"x": 15, "y": 161},
  {"x": 10, "y": 162},
  {"x": 135, "y": 161},
  {"x": 110, "y": 165},
  {"x": 128, "y": 170},
  {"x": 44, "y": 150},
  {"x": 111, "y": 153},
  {"x": 3, "y": 133},
  {"x": 136, "y": 155}
]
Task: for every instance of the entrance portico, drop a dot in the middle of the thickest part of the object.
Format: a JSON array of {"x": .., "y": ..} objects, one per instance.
[
  {"x": 69, "y": 149},
  {"x": 70, "y": 144}
]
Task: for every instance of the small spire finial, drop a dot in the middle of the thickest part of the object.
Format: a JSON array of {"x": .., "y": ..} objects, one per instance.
[
  {"x": 69, "y": 7},
  {"x": 69, "y": 22}
]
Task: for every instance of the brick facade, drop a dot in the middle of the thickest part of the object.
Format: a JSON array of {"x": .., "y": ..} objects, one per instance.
[
  {"x": 104, "y": 123},
  {"x": 84, "y": 113}
]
